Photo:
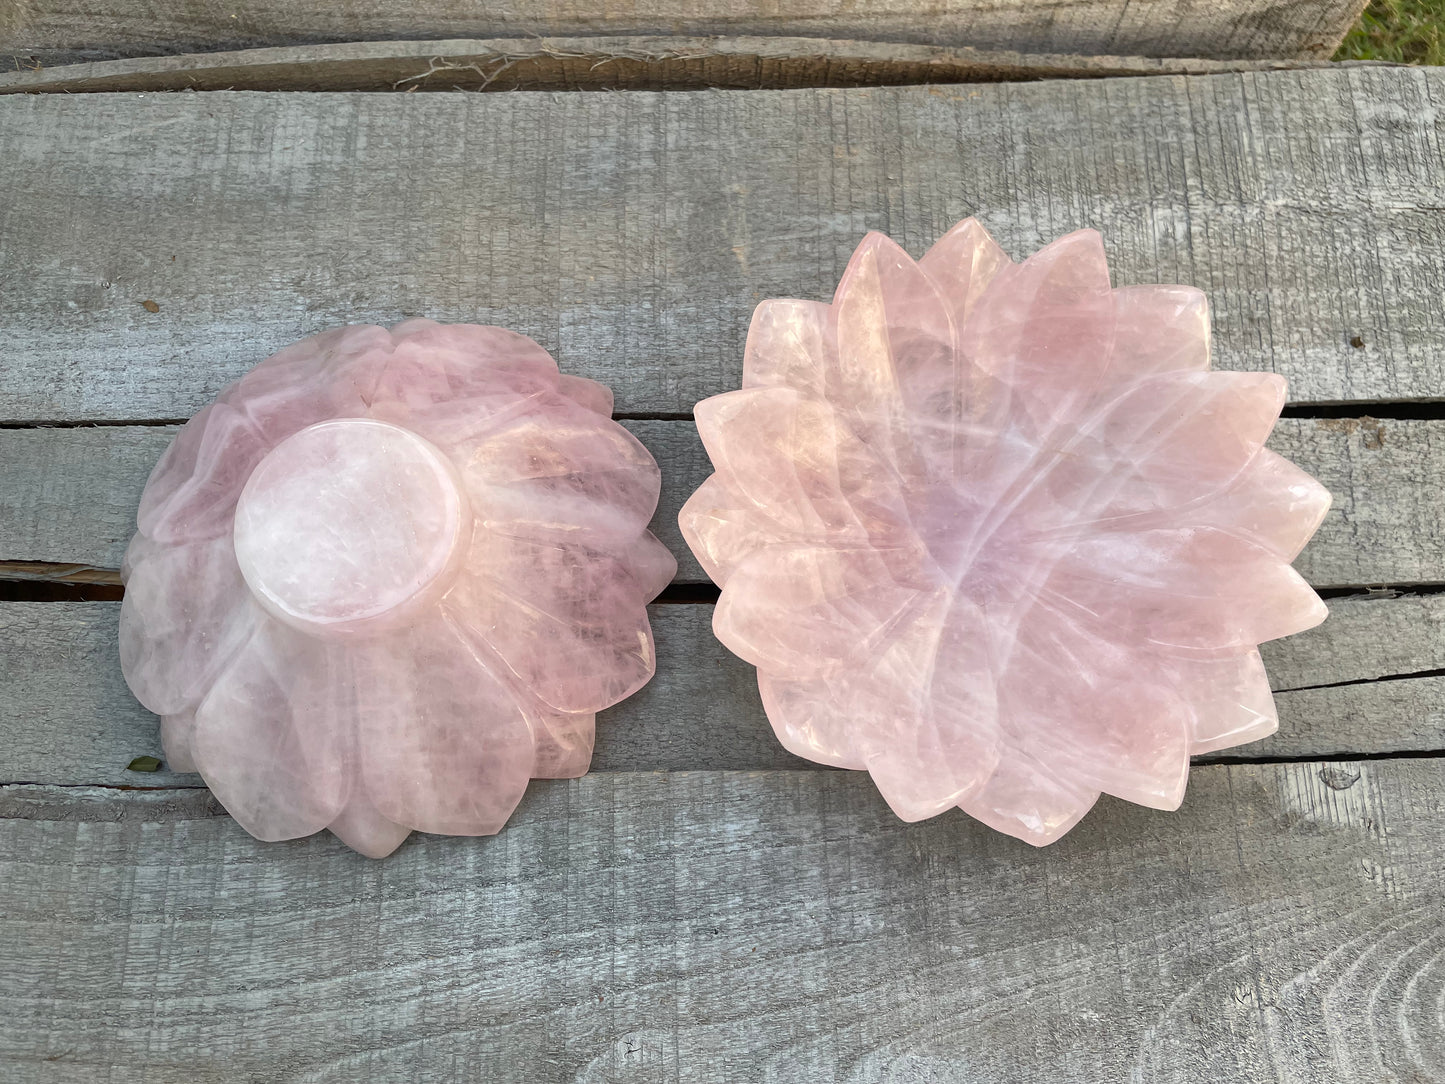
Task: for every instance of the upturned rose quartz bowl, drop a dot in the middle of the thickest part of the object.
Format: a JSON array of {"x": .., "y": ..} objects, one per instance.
[
  {"x": 995, "y": 533},
  {"x": 389, "y": 576}
]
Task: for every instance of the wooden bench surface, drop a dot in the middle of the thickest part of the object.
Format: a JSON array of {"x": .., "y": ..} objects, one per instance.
[
  {"x": 64, "y": 31},
  {"x": 703, "y": 906},
  {"x": 621, "y": 62}
]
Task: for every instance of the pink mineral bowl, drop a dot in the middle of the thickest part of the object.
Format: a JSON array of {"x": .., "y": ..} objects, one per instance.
[
  {"x": 994, "y": 533},
  {"x": 388, "y": 577}
]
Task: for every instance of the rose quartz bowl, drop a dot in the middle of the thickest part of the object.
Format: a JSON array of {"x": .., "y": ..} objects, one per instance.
[
  {"x": 387, "y": 578},
  {"x": 994, "y": 533}
]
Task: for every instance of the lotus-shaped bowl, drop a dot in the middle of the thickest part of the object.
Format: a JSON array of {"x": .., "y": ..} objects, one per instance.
[
  {"x": 389, "y": 576},
  {"x": 995, "y": 533}
]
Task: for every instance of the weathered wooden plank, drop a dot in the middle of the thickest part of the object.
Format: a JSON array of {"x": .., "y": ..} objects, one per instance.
[
  {"x": 1405, "y": 715},
  {"x": 68, "y": 718},
  {"x": 1386, "y": 523},
  {"x": 718, "y": 927},
  {"x": 75, "y": 491},
  {"x": 1365, "y": 638},
  {"x": 633, "y": 233},
  {"x": 68, "y": 496},
  {"x": 625, "y": 63},
  {"x": 51, "y": 30},
  {"x": 684, "y": 463}
]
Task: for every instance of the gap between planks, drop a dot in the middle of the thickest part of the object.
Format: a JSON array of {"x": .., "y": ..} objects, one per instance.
[
  {"x": 29, "y": 581},
  {"x": 1360, "y": 410}
]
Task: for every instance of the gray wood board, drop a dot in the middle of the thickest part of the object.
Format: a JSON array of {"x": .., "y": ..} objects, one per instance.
[
  {"x": 619, "y": 63},
  {"x": 52, "y": 30},
  {"x": 66, "y": 716},
  {"x": 632, "y": 234},
  {"x": 68, "y": 496},
  {"x": 1285, "y": 924}
]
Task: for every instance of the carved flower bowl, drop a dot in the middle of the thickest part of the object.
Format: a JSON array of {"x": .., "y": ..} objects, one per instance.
[
  {"x": 995, "y": 533},
  {"x": 389, "y": 576}
]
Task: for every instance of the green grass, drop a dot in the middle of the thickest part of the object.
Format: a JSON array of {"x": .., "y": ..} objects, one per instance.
[{"x": 1408, "y": 31}]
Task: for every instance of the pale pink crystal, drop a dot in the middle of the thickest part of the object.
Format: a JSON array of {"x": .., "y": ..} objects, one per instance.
[
  {"x": 389, "y": 576},
  {"x": 994, "y": 532}
]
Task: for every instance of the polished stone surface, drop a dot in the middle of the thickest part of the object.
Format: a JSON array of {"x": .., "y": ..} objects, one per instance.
[
  {"x": 995, "y": 533},
  {"x": 388, "y": 577}
]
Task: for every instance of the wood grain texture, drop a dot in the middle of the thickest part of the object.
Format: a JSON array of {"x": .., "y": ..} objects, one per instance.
[
  {"x": 68, "y": 496},
  {"x": 53, "y": 30},
  {"x": 67, "y": 717},
  {"x": 625, "y": 63},
  {"x": 74, "y": 491},
  {"x": 722, "y": 927},
  {"x": 1385, "y": 525},
  {"x": 1365, "y": 639},
  {"x": 632, "y": 234}
]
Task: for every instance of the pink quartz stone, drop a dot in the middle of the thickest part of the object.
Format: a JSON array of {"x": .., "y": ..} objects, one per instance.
[
  {"x": 388, "y": 577},
  {"x": 995, "y": 533}
]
